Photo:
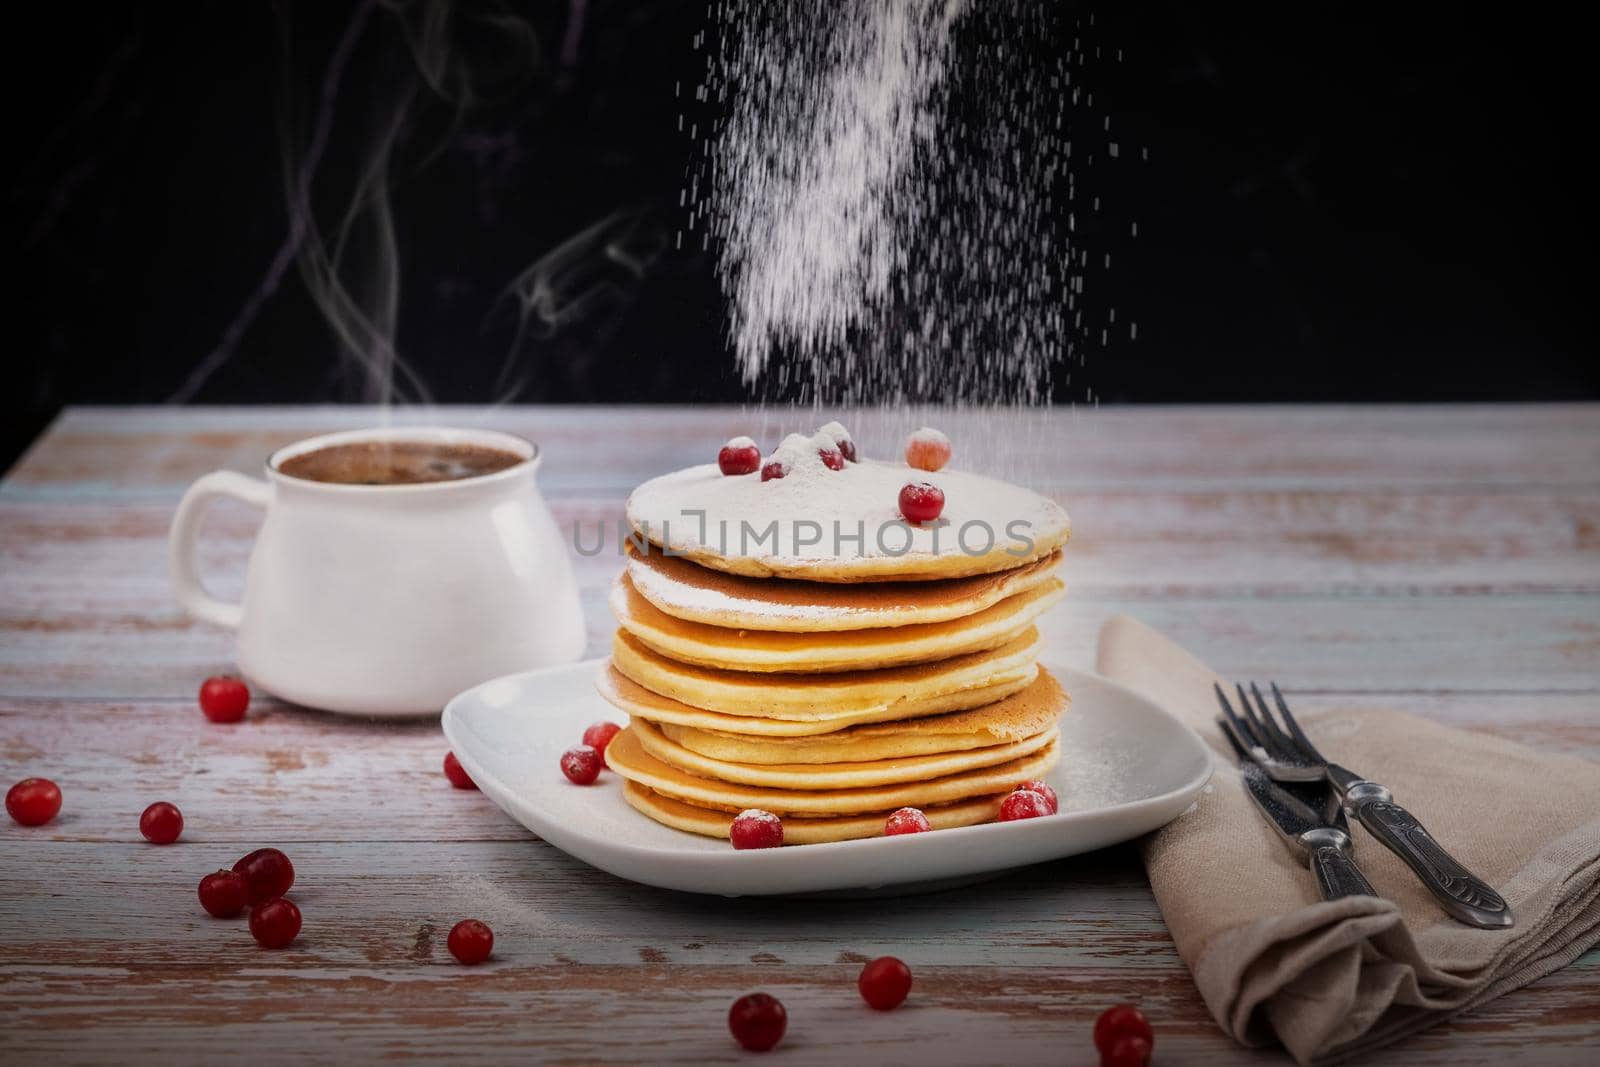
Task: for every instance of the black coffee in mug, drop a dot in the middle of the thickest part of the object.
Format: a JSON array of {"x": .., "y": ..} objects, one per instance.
[{"x": 397, "y": 462}]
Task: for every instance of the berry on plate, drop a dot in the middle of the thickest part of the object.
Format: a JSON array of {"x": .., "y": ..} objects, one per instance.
[
  {"x": 757, "y": 1021},
  {"x": 161, "y": 823},
  {"x": 581, "y": 764},
  {"x": 841, "y": 440},
  {"x": 1023, "y": 804},
  {"x": 755, "y": 828},
  {"x": 224, "y": 699},
  {"x": 772, "y": 470},
  {"x": 33, "y": 801},
  {"x": 1040, "y": 786},
  {"x": 906, "y": 821},
  {"x": 599, "y": 736},
  {"x": 884, "y": 982}
]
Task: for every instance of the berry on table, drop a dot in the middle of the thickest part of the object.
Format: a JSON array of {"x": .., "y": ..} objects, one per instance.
[
  {"x": 755, "y": 828},
  {"x": 224, "y": 893},
  {"x": 471, "y": 941},
  {"x": 599, "y": 736},
  {"x": 927, "y": 449},
  {"x": 906, "y": 821},
  {"x": 224, "y": 699},
  {"x": 161, "y": 823},
  {"x": 773, "y": 469},
  {"x": 739, "y": 456},
  {"x": 1040, "y": 786},
  {"x": 758, "y": 1021},
  {"x": 581, "y": 764},
  {"x": 1127, "y": 1052},
  {"x": 885, "y": 982},
  {"x": 1023, "y": 804},
  {"x": 921, "y": 502},
  {"x": 1120, "y": 1022},
  {"x": 267, "y": 873},
  {"x": 456, "y": 773},
  {"x": 275, "y": 923},
  {"x": 33, "y": 801}
]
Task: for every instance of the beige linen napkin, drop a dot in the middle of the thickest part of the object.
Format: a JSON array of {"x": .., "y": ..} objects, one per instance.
[{"x": 1332, "y": 980}]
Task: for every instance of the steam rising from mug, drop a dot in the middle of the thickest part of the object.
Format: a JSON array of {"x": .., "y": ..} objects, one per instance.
[{"x": 351, "y": 266}]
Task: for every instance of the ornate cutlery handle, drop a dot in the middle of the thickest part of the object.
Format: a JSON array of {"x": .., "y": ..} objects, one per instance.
[
  {"x": 1328, "y": 851},
  {"x": 1463, "y": 894}
]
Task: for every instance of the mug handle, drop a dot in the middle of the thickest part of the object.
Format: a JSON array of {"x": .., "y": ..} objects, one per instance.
[{"x": 185, "y": 532}]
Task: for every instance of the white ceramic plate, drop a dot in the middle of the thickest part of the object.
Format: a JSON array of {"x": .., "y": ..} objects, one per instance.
[{"x": 1127, "y": 767}]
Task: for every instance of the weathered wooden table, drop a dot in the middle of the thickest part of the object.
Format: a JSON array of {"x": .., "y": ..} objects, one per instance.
[{"x": 1445, "y": 560}]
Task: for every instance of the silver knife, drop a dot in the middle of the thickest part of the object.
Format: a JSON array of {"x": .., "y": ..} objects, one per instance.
[{"x": 1323, "y": 841}]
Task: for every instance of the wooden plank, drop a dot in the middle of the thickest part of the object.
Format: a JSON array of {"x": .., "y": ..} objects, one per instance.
[
  {"x": 382, "y": 781},
  {"x": 588, "y": 968},
  {"x": 100, "y": 451}
]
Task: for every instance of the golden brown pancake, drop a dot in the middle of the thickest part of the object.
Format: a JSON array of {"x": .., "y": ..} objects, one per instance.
[
  {"x": 688, "y": 591},
  {"x": 765, "y": 650},
  {"x": 636, "y": 700},
  {"x": 861, "y": 696},
  {"x": 709, "y": 822},
  {"x": 628, "y": 757},
  {"x": 1021, "y": 715}
]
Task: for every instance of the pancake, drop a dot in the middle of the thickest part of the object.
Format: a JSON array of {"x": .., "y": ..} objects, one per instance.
[
  {"x": 1021, "y": 715},
  {"x": 694, "y": 593},
  {"x": 743, "y": 525},
  {"x": 633, "y": 698},
  {"x": 831, "y": 776},
  {"x": 712, "y": 823},
  {"x": 626, "y": 755},
  {"x": 859, "y": 696},
  {"x": 762, "y": 650}
]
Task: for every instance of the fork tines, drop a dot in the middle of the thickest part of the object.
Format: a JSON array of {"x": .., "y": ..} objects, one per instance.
[{"x": 1258, "y": 728}]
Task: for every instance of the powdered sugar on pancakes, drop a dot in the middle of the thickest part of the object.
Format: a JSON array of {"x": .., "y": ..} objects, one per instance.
[{"x": 843, "y": 525}]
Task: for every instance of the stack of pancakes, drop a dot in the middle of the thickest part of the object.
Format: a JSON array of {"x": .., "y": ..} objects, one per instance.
[{"x": 830, "y": 688}]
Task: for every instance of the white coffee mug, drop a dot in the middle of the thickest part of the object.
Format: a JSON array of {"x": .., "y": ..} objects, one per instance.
[{"x": 389, "y": 599}]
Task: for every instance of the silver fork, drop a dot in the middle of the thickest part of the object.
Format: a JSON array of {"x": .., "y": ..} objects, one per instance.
[{"x": 1287, "y": 755}]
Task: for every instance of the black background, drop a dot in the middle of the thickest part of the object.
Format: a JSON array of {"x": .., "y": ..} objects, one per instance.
[{"x": 1348, "y": 205}]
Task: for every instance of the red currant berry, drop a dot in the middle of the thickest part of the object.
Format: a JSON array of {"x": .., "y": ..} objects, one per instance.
[
  {"x": 927, "y": 450},
  {"x": 847, "y": 448},
  {"x": 456, "y": 773},
  {"x": 841, "y": 439},
  {"x": 471, "y": 941},
  {"x": 224, "y": 699},
  {"x": 1040, "y": 786},
  {"x": 832, "y": 458},
  {"x": 161, "y": 823},
  {"x": 906, "y": 821},
  {"x": 581, "y": 764},
  {"x": 267, "y": 872},
  {"x": 885, "y": 982},
  {"x": 755, "y": 828},
  {"x": 1116, "y": 1023},
  {"x": 758, "y": 1021},
  {"x": 33, "y": 801},
  {"x": 739, "y": 456},
  {"x": 1023, "y": 804},
  {"x": 1127, "y": 1052},
  {"x": 275, "y": 923},
  {"x": 599, "y": 736},
  {"x": 224, "y": 893},
  {"x": 921, "y": 502},
  {"x": 772, "y": 470}
]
